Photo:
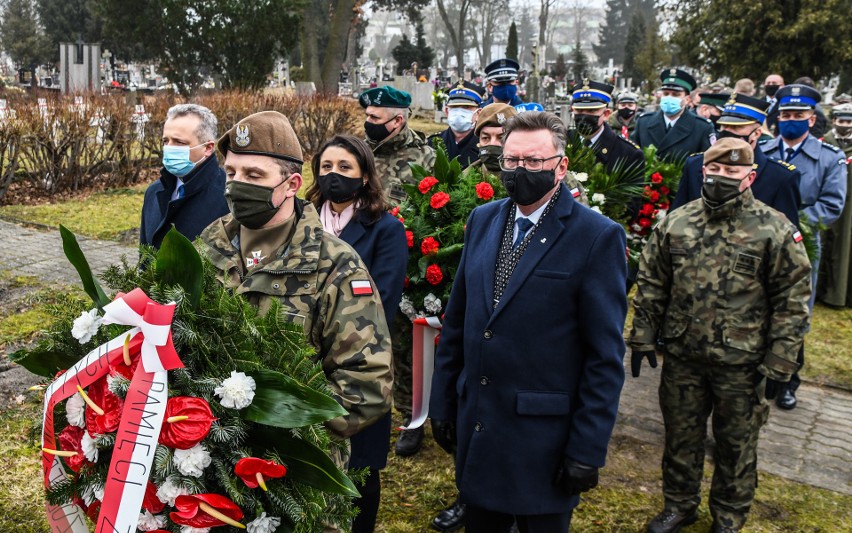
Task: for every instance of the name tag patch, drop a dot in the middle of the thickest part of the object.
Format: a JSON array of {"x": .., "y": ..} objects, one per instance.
[{"x": 747, "y": 264}]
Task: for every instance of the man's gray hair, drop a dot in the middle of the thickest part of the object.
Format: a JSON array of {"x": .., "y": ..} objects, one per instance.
[
  {"x": 535, "y": 121},
  {"x": 208, "y": 129}
]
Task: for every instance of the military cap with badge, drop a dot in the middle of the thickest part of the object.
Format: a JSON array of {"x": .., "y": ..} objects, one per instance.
[
  {"x": 267, "y": 133},
  {"x": 677, "y": 79},
  {"x": 627, "y": 97},
  {"x": 589, "y": 94},
  {"x": 842, "y": 111},
  {"x": 493, "y": 116},
  {"x": 729, "y": 151},
  {"x": 464, "y": 94},
  {"x": 386, "y": 96},
  {"x": 797, "y": 97},
  {"x": 743, "y": 109},
  {"x": 502, "y": 71}
]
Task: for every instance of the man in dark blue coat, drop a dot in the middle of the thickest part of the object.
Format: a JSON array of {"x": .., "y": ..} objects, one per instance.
[
  {"x": 529, "y": 370},
  {"x": 191, "y": 190},
  {"x": 674, "y": 132},
  {"x": 777, "y": 182}
]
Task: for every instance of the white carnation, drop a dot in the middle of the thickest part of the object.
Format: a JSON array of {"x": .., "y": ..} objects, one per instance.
[
  {"x": 88, "y": 495},
  {"x": 636, "y": 227},
  {"x": 596, "y": 209},
  {"x": 90, "y": 448},
  {"x": 149, "y": 522},
  {"x": 86, "y": 325},
  {"x": 598, "y": 198},
  {"x": 99, "y": 493},
  {"x": 407, "y": 308},
  {"x": 193, "y": 461},
  {"x": 237, "y": 391},
  {"x": 75, "y": 411},
  {"x": 263, "y": 524},
  {"x": 581, "y": 177},
  {"x": 169, "y": 491},
  {"x": 190, "y": 529},
  {"x": 661, "y": 214},
  {"x": 432, "y": 304}
]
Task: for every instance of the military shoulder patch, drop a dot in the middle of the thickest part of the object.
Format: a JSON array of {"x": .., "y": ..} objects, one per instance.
[
  {"x": 797, "y": 236},
  {"x": 361, "y": 287}
]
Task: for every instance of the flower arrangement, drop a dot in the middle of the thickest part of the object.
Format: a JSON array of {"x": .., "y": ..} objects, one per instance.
[
  {"x": 435, "y": 214},
  {"x": 206, "y": 414}
]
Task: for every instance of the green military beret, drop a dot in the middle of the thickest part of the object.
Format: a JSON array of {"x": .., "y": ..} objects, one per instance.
[
  {"x": 266, "y": 133},
  {"x": 730, "y": 151},
  {"x": 385, "y": 96}
]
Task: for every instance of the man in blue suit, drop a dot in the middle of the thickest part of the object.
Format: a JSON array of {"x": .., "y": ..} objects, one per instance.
[
  {"x": 777, "y": 182},
  {"x": 529, "y": 368}
]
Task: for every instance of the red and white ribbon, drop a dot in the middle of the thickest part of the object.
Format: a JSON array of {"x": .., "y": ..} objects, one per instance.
[
  {"x": 141, "y": 416},
  {"x": 424, "y": 333}
]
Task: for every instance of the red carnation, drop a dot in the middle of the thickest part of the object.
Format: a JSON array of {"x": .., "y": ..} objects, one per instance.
[
  {"x": 429, "y": 246},
  {"x": 401, "y": 219},
  {"x": 184, "y": 433},
  {"x": 70, "y": 440},
  {"x": 254, "y": 471},
  {"x": 484, "y": 190},
  {"x": 645, "y": 222},
  {"x": 194, "y": 510},
  {"x": 434, "y": 274},
  {"x": 439, "y": 200},
  {"x": 665, "y": 205},
  {"x": 647, "y": 209},
  {"x": 409, "y": 235},
  {"x": 151, "y": 503},
  {"x": 394, "y": 211},
  {"x": 656, "y": 177},
  {"x": 664, "y": 189},
  {"x": 655, "y": 196},
  {"x": 427, "y": 183},
  {"x": 405, "y": 283},
  {"x": 111, "y": 405}
]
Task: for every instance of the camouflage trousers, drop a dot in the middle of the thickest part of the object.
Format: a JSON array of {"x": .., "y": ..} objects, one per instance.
[
  {"x": 401, "y": 332},
  {"x": 689, "y": 393}
]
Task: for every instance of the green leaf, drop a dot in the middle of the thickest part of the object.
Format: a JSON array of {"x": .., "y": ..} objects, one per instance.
[
  {"x": 75, "y": 256},
  {"x": 44, "y": 362},
  {"x": 442, "y": 165},
  {"x": 178, "y": 263},
  {"x": 285, "y": 403},
  {"x": 305, "y": 462}
]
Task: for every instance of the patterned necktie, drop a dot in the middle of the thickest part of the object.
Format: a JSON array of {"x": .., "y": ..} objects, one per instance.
[
  {"x": 524, "y": 225},
  {"x": 790, "y": 153},
  {"x": 181, "y": 191}
]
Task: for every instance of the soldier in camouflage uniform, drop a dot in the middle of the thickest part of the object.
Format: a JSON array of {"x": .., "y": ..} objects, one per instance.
[
  {"x": 272, "y": 247},
  {"x": 726, "y": 281},
  {"x": 394, "y": 144}
]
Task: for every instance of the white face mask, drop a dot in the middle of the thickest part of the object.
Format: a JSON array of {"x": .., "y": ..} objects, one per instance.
[{"x": 460, "y": 119}]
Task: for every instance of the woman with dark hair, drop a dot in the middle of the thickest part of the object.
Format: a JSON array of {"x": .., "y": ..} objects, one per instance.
[{"x": 348, "y": 194}]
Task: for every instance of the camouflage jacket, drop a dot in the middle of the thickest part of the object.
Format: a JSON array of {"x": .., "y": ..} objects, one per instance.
[
  {"x": 393, "y": 156},
  {"x": 727, "y": 286},
  {"x": 316, "y": 278}
]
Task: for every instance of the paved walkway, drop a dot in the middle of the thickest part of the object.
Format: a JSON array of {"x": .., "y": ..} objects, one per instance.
[{"x": 811, "y": 444}]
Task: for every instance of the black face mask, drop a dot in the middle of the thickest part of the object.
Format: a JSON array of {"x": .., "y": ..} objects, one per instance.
[
  {"x": 770, "y": 90},
  {"x": 625, "y": 113},
  {"x": 586, "y": 124},
  {"x": 525, "y": 187},
  {"x": 339, "y": 188},
  {"x": 843, "y": 131},
  {"x": 714, "y": 119},
  {"x": 377, "y": 132},
  {"x": 732, "y": 135},
  {"x": 251, "y": 204},
  {"x": 490, "y": 156},
  {"x": 720, "y": 189}
]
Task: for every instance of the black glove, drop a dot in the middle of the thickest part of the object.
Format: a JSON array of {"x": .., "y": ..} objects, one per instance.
[
  {"x": 636, "y": 357},
  {"x": 773, "y": 388},
  {"x": 575, "y": 477},
  {"x": 444, "y": 433}
]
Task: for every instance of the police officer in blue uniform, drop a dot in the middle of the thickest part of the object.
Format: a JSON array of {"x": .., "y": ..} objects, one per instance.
[
  {"x": 462, "y": 109},
  {"x": 777, "y": 182},
  {"x": 674, "y": 132},
  {"x": 590, "y": 106},
  {"x": 823, "y": 183},
  {"x": 501, "y": 82}
]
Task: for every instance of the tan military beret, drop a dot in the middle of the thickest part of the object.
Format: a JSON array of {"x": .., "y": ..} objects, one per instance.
[
  {"x": 266, "y": 133},
  {"x": 495, "y": 114},
  {"x": 730, "y": 151}
]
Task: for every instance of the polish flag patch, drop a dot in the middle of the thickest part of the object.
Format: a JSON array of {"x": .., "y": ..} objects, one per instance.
[
  {"x": 575, "y": 192},
  {"x": 797, "y": 236},
  {"x": 361, "y": 287}
]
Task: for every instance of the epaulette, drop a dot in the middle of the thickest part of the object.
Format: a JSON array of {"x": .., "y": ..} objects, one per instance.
[
  {"x": 695, "y": 154},
  {"x": 784, "y": 164},
  {"x": 764, "y": 141},
  {"x": 645, "y": 114},
  {"x": 707, "y": 120},
  {"x": 830, "y": 146},
  {"x": 631, "y": 143}
]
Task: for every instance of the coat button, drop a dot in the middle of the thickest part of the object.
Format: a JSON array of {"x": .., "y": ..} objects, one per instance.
[
  {"x": 487, "y": 334},
  {"x": 276, "y": 286},
  {"x": 307, "y": 285},
  {"x": 483, "y": 380},
  {"x": 478, "y": 427}
]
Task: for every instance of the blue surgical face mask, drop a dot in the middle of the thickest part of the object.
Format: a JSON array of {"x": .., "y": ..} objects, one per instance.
[
  {"x": 793, "y": 129},
  {"x": 176, "y": 160},
  {"x": 460, "y": 119},
  {"x": 671, "y": 105},
  {"x": 504, "y": 93}
]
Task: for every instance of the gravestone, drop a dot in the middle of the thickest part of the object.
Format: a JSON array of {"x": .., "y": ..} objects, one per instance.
[{"x": 79, "y": 67}]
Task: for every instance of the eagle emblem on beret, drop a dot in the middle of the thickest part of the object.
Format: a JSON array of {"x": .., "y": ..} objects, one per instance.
[
  {"x": 242, "y": 138},
  {"x": 735, "y": 155},
  {"x": 501, "y": 118},
  {"x": 796, "y": 91}
]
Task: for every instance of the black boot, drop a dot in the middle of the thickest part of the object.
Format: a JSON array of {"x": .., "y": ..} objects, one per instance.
[
  {"x": 786, "y": 399},
  {"x": 450, "y": 519},
  {"x": 409, "y": 442},
  {"x": 671, "y": 522}
]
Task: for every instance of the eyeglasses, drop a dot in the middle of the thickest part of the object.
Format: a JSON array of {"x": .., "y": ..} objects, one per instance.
[{"x": 533, "y": 164}]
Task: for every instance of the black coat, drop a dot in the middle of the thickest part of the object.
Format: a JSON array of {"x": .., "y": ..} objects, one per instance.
[
  {"x": 536, "y": 379},
  {"x": 776, "y": 185},
  {"x": 203, "y": 202},
  {"x": 610, "y": 148},
  {"x": 466, "y": 150},
  {"x": 384, "y": 250},
  {"x": 690, "y": 134}
]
